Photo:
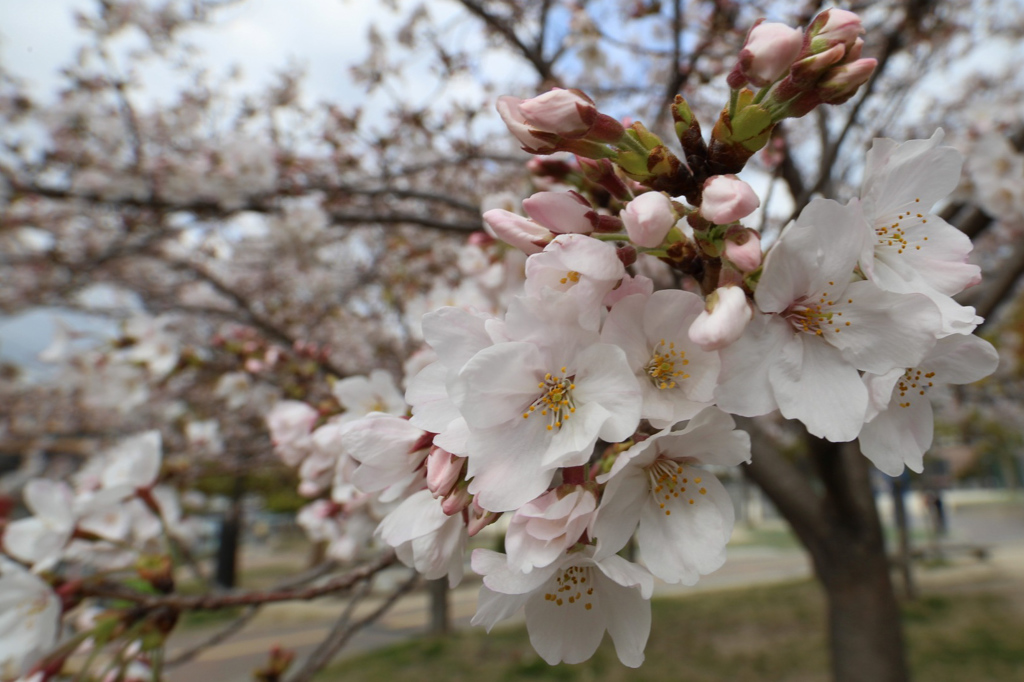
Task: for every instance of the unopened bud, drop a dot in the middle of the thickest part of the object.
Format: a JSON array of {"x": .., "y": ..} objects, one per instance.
[
  {"x": 648, "y": 219},
  {"x": 834, "y": 27},
  {"x": 568, "y": 113},
  {"x": 561, "y": 212},
  {"x": 743, "y": 249},
  {"x": 443, "y": 470},
  {"x": 841, "y": 82},
  {"x": 727, "y": 199},
  {"x": 602, "y": 173},
  {"x": 478, "y": 518},
  {"x": 769, "y": 51},
  {"x": 808, "y": 70},
  {"x": 723, "y": 320},
  {"x": 517, "y": 231},
  {"x": 457, "y": 500}
]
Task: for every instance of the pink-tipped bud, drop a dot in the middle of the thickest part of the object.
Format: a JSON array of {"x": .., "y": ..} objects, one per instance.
[
  {"x": 806, "y": 72},
  {"x": 478, "y": 518},
  {"x": 727, "y": 199},
  {"x": 723, "y": 320},
  {"x": 743, "y": 249},
  {"x": 767, "y": 55},
  {"x": 841, "y": 82},
  {"x": 509, "y": 110},
  {"x": 443, "y": 471},
  {"x": 602, "y": 172},
  {"x": 517, "y": 231},
  {"x": 561, "y": 212},
  {"x": 648, "y": 219},
  {"x": 457, "y": 500},
  {"x": 834, "y": 27},
  {"x": 568, "y": 113}
]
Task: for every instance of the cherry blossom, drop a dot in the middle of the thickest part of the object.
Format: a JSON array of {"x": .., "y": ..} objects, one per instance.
[
  {"x": 820, "y": 328},
  {"x": 41, "y": 538},
  {"x": 677, "y": 377},
  {"x": 570, "y": 603},
  {"x": 361, "y": 395},
  {"x": 682, "y": 515},
  {"x": 29, "y": 620},
  {"x": 426, "y": 538},
  {"x": 900, "y": 421},
  {"x": 909, "y": 249},
  {"x": 546, "y": 396},
  {"x": 542, "y": 530}
]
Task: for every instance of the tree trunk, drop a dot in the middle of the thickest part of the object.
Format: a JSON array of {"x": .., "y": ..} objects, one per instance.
[
  {"x": 865, "y": 633},
  {"x": 838, "y": 523},
  {"x": 440, "y": 621},
  {"x": 226, "y": 575}
]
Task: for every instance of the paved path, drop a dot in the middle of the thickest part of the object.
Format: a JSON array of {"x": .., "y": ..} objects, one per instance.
[{"x": 301, "y": 626}]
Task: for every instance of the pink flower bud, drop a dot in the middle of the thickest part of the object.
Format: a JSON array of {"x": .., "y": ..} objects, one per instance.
[
  {"x": 723, "y": 321},
  {"x": 517, "y": 231},
  {"x": 727, "y": 199},
  {"x": 841, "y": 82},
  {"x": 568, "y": 113},
  {"x": 648, "y": 219},
  {"x": 743, "y": 249},
  {"x": 808, "y": 70},
  {"x": 561, "y": 212},
  {"x": 479, "y": 518},
  {"x": 457, "y": 500},
  {"x": 853, "y": 54},
  {"x": 768, "y": 53},
  {"x": 834, "y": 27},
  {"x": 508, "y": 109},
  {"x": 443, "y": 471}
]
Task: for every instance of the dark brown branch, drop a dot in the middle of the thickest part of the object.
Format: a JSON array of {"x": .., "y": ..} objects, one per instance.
[
  {"x": 212, "y": 602},
  {"x": 252, "y": 317},
  {"x": 236, "y": 625},
  {"x": 998, "y": 291},
  {"x": 534, "y": 55},
  {"x": 787, "y": 488}
]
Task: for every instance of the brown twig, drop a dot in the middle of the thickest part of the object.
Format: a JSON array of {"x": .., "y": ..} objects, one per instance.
[{"x": 212, "y": 602}]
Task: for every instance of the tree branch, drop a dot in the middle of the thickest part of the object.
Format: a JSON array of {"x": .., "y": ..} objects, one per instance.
[
  {"x": 787, "y": 488},
  {"x": 534, "y": 55},
  {"x": 212, "y": 602}
]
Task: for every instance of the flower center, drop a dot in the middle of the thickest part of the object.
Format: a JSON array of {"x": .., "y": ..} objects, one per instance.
[
  {"x": 574, "y": 586},
  {"x": 913, "y": 382},
  {"x": 667, "y": 483},
  {"x": 571, "y": 276},
  {"x": 556, "y": 402},
  {"x": 661, "y": 368},
  {"x": 816, "y": 317},
  {"x": 893, "y": 235}
]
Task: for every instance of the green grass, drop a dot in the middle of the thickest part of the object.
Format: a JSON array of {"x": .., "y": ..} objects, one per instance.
[{"x": 752, "y": 635}]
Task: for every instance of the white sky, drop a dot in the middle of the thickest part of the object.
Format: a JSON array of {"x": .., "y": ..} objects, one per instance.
[{"x": 325, "y": 36}]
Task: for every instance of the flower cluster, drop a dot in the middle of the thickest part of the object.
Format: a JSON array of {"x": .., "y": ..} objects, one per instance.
[
  {"x": 115, "y": 518},
  {"x": 590, "y": 409}
]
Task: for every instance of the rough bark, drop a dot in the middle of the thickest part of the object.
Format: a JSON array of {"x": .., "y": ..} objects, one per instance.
[{"x": 832, "y": 510}]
